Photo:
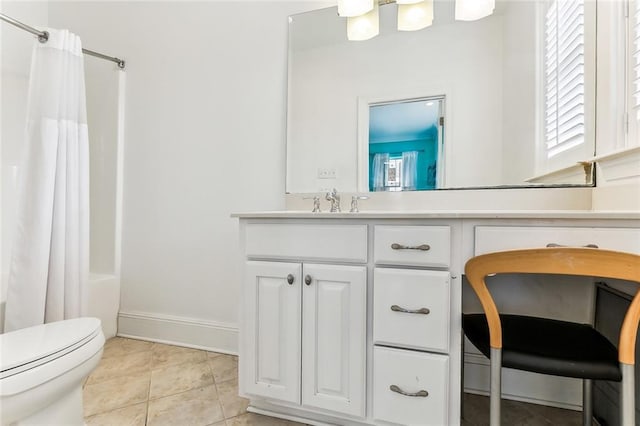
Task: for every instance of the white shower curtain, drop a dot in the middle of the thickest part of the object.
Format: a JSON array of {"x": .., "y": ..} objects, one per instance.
[{"x": 50, "y": 256}]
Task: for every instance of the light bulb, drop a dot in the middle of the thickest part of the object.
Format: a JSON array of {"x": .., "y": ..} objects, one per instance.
[
  {"x": 365, "y": 26},
  {"x": 350, "y": 8},
  {"x": 412, "y": 17},
  {"x": 471, "y": 10}
]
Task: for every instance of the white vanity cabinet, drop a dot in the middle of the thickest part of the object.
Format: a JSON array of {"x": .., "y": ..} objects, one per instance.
[
  {"x": 304, "y": 339},
  {"x": 355, "y": 319}
]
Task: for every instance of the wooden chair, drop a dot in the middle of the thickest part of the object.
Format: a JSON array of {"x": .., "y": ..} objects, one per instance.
[{"x": 549, "y": 346}]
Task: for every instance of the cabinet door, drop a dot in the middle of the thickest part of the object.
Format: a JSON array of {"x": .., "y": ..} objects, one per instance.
[
  {"x": 334, "y": 338},
  {"x": 270, "y": 365}
]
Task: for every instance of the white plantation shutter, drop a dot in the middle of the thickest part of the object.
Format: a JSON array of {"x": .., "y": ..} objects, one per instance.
[
  {"x": 564, "y": 76},
  {"x": 634, "y": 73}
]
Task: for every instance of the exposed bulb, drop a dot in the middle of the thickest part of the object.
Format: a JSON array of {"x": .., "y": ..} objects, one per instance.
[
  {"x": 471, "y": 10},
  {"x": 350, "y": 8},
  {"x": 365, "y": 26},
  {"x": 416, "y": 16}
]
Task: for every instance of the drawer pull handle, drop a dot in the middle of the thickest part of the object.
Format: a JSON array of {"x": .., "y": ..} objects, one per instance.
[
  {"x": 423, "y": 311},
  {"x": 396, "y": 389},
  {"x": 423, "y": 247},
  {"x": 562, "y": 245},
  {"x": 307, "y": 279},
  {"x": 290, "y": 279}
]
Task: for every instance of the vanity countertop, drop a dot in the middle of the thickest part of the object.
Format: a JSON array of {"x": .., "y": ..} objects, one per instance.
[{"x": 445, "y": 214}]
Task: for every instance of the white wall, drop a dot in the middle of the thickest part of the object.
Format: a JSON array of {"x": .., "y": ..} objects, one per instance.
[
  {"x": 15, "y": 61},
  {"x": 205, "y": 126}
]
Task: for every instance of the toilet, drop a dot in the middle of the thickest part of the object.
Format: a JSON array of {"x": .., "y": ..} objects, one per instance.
[{"x": 42, "y": 369}]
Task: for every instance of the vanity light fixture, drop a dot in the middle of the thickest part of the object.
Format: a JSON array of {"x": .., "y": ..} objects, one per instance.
[
  {"x": 365, "y": 26},
  {"x": 351, "y": 8},
  {"x": 363, "y": 20},
  {"x": 415, "y": 16},
  {"x": 471, "y": 10}
]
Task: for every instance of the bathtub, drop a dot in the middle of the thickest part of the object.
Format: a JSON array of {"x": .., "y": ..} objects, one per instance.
[{"x": 104, "y": 302}]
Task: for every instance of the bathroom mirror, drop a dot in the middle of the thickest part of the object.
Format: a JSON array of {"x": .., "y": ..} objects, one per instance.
[{"x": 501, "y": 122}]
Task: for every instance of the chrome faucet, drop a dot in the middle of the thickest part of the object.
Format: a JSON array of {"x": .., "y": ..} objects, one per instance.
[
  {"x": 316, "y": 203},
  {"x": 354, "y": 202},
  {"x": 334, "y": 199}
]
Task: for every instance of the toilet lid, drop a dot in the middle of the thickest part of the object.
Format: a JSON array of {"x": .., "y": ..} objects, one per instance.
[{"x": 32, "y": 346}]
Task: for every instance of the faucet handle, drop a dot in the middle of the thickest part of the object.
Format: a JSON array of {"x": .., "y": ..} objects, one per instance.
[
  {"x": 354, "y": 202},
  {"x": 316, "y": 203}
]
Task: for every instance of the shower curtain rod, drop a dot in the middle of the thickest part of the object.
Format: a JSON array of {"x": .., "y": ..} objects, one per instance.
[{"x": 43, "y": 36}]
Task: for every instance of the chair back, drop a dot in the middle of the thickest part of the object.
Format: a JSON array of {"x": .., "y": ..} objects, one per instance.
[{"x": 581, "y": 261}]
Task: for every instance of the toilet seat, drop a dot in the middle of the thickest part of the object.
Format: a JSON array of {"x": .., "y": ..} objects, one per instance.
[{"x": 31, "y": 347}]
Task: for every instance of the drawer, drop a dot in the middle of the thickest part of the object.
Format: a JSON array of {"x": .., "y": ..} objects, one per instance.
[
  {"x": 400, "y": 245},
  {"x": 496, "y": 238},
  {"x": 346, "y": 243},
  {"x": 395, "y": 289},
  {"x": 411, "y": 372}
]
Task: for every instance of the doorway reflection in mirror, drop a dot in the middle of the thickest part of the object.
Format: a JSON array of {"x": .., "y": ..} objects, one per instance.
[{"x": 405, "y": 144}]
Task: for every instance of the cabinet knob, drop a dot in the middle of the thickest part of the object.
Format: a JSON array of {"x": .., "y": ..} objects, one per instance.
[
  {"x": 307, "y": 279},
  {"x": 290, "y": 279}
]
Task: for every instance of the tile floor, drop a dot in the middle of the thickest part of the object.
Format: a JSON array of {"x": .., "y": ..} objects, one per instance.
[{"x": 140, "y": 383}]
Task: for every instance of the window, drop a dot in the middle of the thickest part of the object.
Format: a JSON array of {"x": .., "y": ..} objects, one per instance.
[
  {"x": 633, "y": 72},
  {"x": 393, "y": 173},
  {"x": 564, "y": 76}
]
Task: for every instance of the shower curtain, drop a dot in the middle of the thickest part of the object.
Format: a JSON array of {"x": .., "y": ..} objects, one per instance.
[{"x": 50, "y": 258}]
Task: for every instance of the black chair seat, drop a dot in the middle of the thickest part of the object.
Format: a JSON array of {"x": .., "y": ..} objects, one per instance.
[{"x": 548, "y": 346}]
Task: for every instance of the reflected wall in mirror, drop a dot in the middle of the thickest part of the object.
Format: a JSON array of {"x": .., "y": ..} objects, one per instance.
[{"x": 519, "y": 88}]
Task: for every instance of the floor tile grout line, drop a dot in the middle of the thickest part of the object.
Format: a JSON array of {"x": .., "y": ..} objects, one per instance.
[
  {"x": 146, "y": 417},
  {"x": 113, "y": 409},
  {"x": 215, "y": 383}
]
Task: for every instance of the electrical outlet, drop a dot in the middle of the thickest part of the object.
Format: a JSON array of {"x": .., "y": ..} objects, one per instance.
[{"x": 326, "y": 173}]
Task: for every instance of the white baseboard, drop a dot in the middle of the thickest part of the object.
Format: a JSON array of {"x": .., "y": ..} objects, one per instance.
[
  {"x": 561, "y": 392},
  {"x": 189, "y": 332}
]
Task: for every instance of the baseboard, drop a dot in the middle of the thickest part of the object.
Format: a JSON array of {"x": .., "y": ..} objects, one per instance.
[
  {"x": 561, "y": 392},
  {"x": 189, "y": 332}
]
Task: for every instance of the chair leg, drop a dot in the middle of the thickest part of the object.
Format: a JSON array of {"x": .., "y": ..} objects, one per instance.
[
  {"x": 628, "y": 395},
  {"x": 587, "y": 402},
  {"x": 496, "y": 387}
]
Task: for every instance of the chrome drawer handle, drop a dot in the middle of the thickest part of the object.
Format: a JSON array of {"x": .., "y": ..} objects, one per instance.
[
  {"x": 423, "y": 311},
  {"x": 423, "y": 247},
  {"x": 562, "y": 245},
  {"x": 423, "y": 393}
]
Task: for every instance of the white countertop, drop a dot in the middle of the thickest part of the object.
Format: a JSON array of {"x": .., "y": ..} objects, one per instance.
[{"x": 445, "y": 214}]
